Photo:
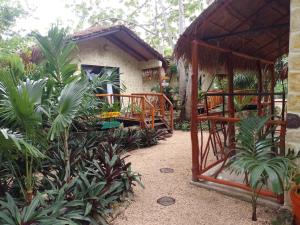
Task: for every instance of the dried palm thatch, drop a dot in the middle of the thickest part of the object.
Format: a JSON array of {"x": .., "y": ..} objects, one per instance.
[{"x": 256, "y": 28}]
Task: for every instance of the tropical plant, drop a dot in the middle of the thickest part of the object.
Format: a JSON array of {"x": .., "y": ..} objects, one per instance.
[
  {"x": 128, "y": 139},
  {"x": 68, "y": 105},
  {"x": 110, "y": 107},
  {"x": 21, "y": 109},
  {"x": 245, "y": 81},
  {"x": 150, "y": 137},
  {"x": 169, "y": 91},
  {"x": 58, "y": 211},
  {"x": 14, "y": 146},
  {"x": 57, "y": 55},
  {"x": 255, "y": 156}
]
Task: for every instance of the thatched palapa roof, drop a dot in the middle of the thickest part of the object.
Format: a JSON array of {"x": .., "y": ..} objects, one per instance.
[{"x": 258, "y": 28}]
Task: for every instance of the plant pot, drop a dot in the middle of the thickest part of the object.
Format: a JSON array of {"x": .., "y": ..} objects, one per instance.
[{"x": 295, "y": 200}]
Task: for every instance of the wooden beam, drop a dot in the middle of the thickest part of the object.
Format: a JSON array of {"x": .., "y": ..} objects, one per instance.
[
  {"x": 126, "y": 48},
  {"x": 194, "y": 112},
  {"x": 249, "y": 22},
  {"x": 207, "y": 19},
  {"x": 243, "y": 32},
  {"x": 226, "y": 30},
  {"x": 242, "y": 55},
  {"x": 273, "y": 83},
  {"x": 253, "y": 15},
  {"x": 269, "y": 42},
  {"x": 275, "y": 22},
  {"x": 284, "y": 46},
  {"x": 260, "y": 88}
]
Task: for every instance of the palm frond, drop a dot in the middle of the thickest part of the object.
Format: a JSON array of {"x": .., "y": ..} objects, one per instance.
[
  {"x": 68, "y": 105},
  {"x": 14, "y": 141},
  {"x": 254, "y": 156},
  {"x": 58, "y": 56},
  {"x": 20, "y": 105}
]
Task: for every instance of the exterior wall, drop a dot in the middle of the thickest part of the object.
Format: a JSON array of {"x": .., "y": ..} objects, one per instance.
[
  {"x": 101, "y": 52},
  {"x": 293, "y": 105}
]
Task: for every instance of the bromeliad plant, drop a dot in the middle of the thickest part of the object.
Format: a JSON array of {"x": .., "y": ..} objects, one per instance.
[{"x": 256, "y": 157}]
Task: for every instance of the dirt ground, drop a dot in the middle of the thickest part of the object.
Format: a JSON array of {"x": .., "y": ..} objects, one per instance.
[{"x": 194, "y": 205}]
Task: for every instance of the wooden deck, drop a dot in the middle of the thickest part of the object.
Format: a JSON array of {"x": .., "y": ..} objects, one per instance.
[{"x": 150, "y": 110}]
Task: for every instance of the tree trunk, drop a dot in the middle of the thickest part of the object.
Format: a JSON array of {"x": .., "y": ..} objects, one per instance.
[
  {"x": 185, "y": 110},
  {"x": 166, "y": 25},
  {"x": 182, "y": 86},
  {"x": 67, "y": 157},
  {"x": 254, "y": 205},
  {"x": 181, "y": 17},
  {"x": 188, "y": 97}
]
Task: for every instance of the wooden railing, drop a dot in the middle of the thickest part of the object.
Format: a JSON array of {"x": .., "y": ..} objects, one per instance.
[
  {"x": 215, "y": 151},
  {"x": 132, "y": 107},
  {"x": 163, "y": 107}
]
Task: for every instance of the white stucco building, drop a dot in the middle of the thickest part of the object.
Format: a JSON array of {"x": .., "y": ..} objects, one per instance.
[{"x": 139, "y": 65}]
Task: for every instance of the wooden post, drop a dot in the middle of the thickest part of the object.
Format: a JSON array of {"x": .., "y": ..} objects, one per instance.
[
  {"x": 260, "y": 88},
  {"x": 160, "y": 81},
  {"x": 231, "y": 109},
  {"x": 142, "y": 118},
  {"x": 194, "y": 122},
  {"x": 272, "y": 90},
  {"x": 162, "y": 105}
]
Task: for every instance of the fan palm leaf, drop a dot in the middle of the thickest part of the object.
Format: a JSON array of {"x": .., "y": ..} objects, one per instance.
[
  {"x": 14, "y": 141},
  {"x": 20, "y": 103},
  {"x": 68, "y": 105}
]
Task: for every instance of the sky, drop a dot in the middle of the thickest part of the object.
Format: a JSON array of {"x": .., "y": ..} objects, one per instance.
[{"x": 43, "y": 13}]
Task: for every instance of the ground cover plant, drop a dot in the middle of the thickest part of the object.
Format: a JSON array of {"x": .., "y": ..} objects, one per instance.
[{"x": 52, "y": 170}]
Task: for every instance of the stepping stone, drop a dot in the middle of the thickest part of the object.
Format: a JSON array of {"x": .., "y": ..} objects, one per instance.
[
  {"x": 166, "y": 201},
  {"x": 166, "y": 170}
]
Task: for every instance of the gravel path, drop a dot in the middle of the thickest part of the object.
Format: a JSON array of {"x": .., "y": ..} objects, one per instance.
[{"x": 194, "y": 205}]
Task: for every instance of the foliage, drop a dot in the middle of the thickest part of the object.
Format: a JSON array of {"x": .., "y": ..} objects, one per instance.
[
  {"x": 21, "y": 109},
  {"x": 131, "y": 139},
  {"x": 10, "y": 11},
  {"x": 52, "y": 171},
  {"x": 245, "y": 81},
  {"x": 100, "y": 175},
  {"x": 150, "y": 137},
  {"x": 157, "y": 18},
  {"x": 170, "y": 92},
  {"x": 183, "y": 125},
  {"x": 186, "y": 125},
  {"x": 128, "y": 139},
  {"x": 110, "y": 107},
  {"x": 57, "y": 211},
  {"x": 255, "y": 156}
]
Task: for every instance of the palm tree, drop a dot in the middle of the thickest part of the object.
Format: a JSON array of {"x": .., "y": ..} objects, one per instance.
[
  {"x": 68, "y": 105},
  {"x": 58, "y": 54},
  {"x": 21, "y": 109},
  {"x": 256, "y": 157}
]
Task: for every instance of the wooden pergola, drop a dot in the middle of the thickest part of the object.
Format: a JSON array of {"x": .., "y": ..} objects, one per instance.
[{"x": 234, "y": 36}]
